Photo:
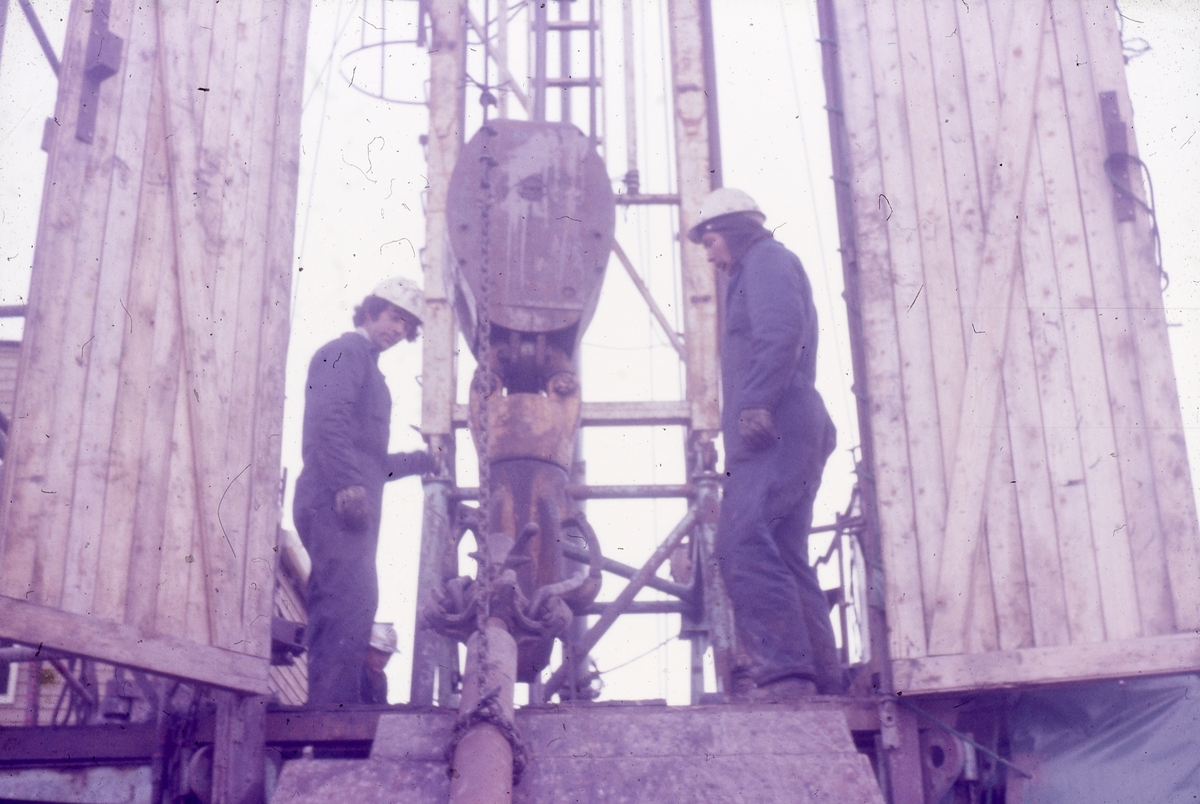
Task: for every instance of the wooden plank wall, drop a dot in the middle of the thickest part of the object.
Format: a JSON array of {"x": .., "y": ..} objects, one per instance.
[
  {"x": 1035, "y": 502},
  {"x": 142, "y": 483}
]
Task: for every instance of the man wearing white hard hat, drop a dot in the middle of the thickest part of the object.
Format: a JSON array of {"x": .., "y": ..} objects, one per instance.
[
  {"x": 339, "y": 493},
  {"x": 383, "y": 644},
  {"x": 778, "y": 436}
]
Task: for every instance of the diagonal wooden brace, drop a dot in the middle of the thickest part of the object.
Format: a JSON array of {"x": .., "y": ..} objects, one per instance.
[{"x": 985, "y": 358}]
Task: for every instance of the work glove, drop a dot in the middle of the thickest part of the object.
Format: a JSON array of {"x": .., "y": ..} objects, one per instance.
[
  {"x": 419, "y": 462},
  {"x": 350, "y": 504},
  {"x": 756, "y": 428}
]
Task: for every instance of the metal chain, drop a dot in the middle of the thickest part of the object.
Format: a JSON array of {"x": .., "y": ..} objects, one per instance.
[{"x": 488, "y": 710}]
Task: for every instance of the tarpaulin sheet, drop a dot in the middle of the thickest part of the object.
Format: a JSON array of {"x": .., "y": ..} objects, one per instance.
[{"x": 1114, "y": 742}]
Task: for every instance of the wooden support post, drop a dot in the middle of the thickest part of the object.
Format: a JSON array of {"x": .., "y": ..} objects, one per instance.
[{"x": 239, "y": 749}]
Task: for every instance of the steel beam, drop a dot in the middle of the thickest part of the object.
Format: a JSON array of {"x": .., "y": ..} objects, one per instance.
[
  {"x": 693, "y": 166},
  {"x": 677, "y": 412}
]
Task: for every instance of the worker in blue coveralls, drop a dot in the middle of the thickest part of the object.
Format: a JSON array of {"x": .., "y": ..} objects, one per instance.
[
  {"x": 339, "y": 493},
  {"x": 778, "y": 436}
]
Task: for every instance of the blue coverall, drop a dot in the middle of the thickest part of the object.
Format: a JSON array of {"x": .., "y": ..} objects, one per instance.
[
  {"x": 768, "y": 359},
  {"x": 347, "y": 423}
]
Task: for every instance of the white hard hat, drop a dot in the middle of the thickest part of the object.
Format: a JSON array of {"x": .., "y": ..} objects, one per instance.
[
  {"x": 404, "y": 293},
  {"x": 383, "y": 636},
  {"x": 723, "y": 201}
]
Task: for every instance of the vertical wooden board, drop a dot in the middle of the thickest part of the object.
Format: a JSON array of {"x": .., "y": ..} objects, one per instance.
[
  {"x": 940, "y": 284},
  {"x": 1163, "y": 421},
  {"x": 966, "y": 237},
  {"x": 28, "y": 512},
  {"x": 196, "y": 219},
  {"x": 973, "y": 34},
  {"x": 255, "y": 579},
  {"x": 151, "y": 546},
  {"x": 1048, "y": 425},
  {"x": 275, "y": 315},
  {"x": 893, "y": 469},
  {"x": 98, "y": 556},
  {"x": 70, "y": 554},
  {"x": 1086, "y": 343},
  {"x": 223, "y": 160},
  {"x": 918, "y": 373},
  {"x": 41, "y": 447},
  {"x": 230, "y": 148},
  {"x": 1118, "y": 331},
  {"x": 981, "y": 395}
]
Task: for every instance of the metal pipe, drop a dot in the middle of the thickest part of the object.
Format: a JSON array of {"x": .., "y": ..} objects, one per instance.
[
  {"x": 642, "y": 607},
  {"x": 435, "y": 540},
  {"x": 564, "y": 63},
  {"x": 581, "y": 492},
  {"x": 3, "y": 25},
  {"x": 666, "y": 199},
  {"x": 631, "y": 148},
  {"x": 655, "y": 310},
  {"x": 539, "y": 62},
  {"x": 40, "y": 33},
  {"x": 623, "y": 600},
  {"x": 499, "y": 58},
  {"x": 483, "y": 759},
  {"x": 710, "y": 83},
  {"x": 684, "y": 593},
  {"x": 74, "y": 683},
  {"x": 718, "y": 613},
  {"x": 21, "y": 653}
]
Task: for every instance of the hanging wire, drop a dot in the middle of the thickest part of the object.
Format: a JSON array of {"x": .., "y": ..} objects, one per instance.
[
  {"x": 640, "y": 656},
  {"x": 1133, "y": 47},
  {"x": 835, "y": 321},
  {"x": 1110, "y": 169}
]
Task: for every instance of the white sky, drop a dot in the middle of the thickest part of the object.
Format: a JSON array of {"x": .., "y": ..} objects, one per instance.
[{"x": 359, "y": 220}]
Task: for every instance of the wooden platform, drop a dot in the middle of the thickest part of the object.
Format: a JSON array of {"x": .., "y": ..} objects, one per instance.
[{"x": 617, "y": 753}]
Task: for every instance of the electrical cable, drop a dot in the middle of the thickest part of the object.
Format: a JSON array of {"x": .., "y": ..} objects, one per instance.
[
  {"x": 643, "y": 655},
  {"x": 312, "y": 182},
  {"x": 812, "y": 194},
  {"x": 1126, "y": 190}
]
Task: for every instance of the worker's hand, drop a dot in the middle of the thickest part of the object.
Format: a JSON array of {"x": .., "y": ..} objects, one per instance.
[
  {"x": 756, "y": 428},
  {"x": 352, "y": 508},
  {"x": 419, "y": 462}
]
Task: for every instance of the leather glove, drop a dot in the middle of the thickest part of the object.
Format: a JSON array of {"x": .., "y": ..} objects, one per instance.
[
  {"x": 756, "y": 428},
  {"x": 350, "y": 504},
  {"x": 419, "y": 462}
]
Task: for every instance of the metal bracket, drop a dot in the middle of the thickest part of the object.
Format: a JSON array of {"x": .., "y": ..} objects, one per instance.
[{"x": 103, "y": 60}]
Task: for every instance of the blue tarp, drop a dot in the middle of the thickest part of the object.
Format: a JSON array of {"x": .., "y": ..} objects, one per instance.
[{"x": 1115, "y": 742}]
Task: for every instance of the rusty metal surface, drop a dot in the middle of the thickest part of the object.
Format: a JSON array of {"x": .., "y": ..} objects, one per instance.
[
  {"x": 550, "y": 224},
  {"x": 535, "y": 426},
  {"x": 617, "y": 753}
]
